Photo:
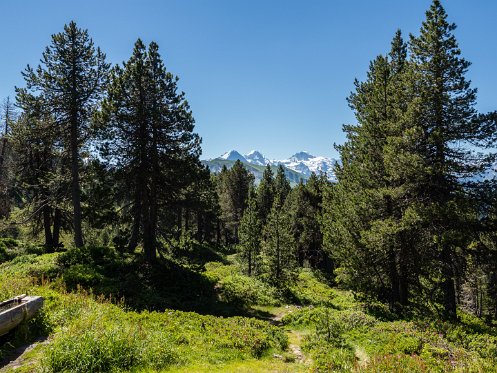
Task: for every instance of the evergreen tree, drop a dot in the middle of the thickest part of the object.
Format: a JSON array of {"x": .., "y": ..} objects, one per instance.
[
  {"x": 149, "y": 130},
  {"x": 70, "y": 80},
  {"x": 198, "y": 206},
  {"x": 278, "y": 246},
  {"x": 250, "y": 235},
  {"x": 233, "y": 188},
  {"x": 7, "y": 118},
  {"x": 303, "y": 206},
  {"x": 451, "y": 133},
  {"x": 363, "y": 217},
  {"x": 408, "y": 201},
  {"x": 281, "y": 185},
  {"x": 265, "y": 194},
  {"x": 40, "y": 182}
]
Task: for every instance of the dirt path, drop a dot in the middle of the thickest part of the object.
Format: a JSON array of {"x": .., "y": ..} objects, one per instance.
[{"x": 294, "y": 336}]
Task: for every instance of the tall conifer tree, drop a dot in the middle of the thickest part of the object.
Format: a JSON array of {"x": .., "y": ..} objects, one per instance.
[
  {"x": 265, "y": 193},
  {"x": 71, "y": 80},
  {"x": 451, "y": 133},
  {"x": 149, "y": 130},
  {"x": 250, "y": 235}
]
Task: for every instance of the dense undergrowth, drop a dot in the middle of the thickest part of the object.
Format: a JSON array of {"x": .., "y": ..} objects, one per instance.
[{"x": 108, "y": 311}]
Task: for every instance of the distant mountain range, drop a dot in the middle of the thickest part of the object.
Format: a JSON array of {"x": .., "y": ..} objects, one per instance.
[{"x": 299, "y": 166}]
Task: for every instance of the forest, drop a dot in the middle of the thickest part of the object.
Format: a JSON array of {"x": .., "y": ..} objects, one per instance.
[{"x": 148, "y": 262}]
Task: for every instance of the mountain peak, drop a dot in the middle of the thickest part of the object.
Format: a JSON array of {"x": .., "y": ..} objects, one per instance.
[
  {"x": 254, "y": 153},
  {"x": 301, "y": 156},
  {"x": 256, "y": 157},
  {"x": 233, "y": 155},
  {"x": 300, "y": 165}
]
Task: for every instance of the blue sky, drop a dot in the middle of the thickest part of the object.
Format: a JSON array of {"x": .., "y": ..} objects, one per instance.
[{"x": 266, "y": 74}]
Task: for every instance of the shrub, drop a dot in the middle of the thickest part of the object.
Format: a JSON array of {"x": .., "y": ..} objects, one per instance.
[
  {"x": 326, "y": 359},
  {"x": 309, "y": 290},
  {"x": 399, "y": 363},
  {"x": 310, "y": 316},
  {"x": 238, "y": 289},
  {"x": 82, "y": 274},
  {"x": 3, "y": 253},
  {"x": 90, "y": 255}
]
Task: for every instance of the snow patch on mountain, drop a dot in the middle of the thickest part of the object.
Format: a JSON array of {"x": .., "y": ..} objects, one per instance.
[
  {"x": 256, "y": 157},
  {"x": 233, "y": 155},
  {"x": 306, "y": 163}
]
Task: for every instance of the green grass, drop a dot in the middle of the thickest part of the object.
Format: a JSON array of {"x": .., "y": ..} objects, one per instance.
[
  {"x": 90, "y": 334},
  {"x": 96, "y": 336},
  {"x": 188, "y": 314}
]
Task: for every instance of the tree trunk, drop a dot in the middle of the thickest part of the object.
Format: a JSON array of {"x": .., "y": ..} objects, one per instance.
[
  {"x": 152, "y": 251},
  {"x": 47, "y": 227},
  {"x": 186, "y": 219},
  {"x": 149, "y": 238},
  {"x": 401, "y": 259},
  {"x": 218, "y": 232},
  {"x": 74, "y": 148},
  {"x": 394, "y": 280},
  {"x": 448, "y": 286},
  {"x": 250, "y": 262},
  {"x": 449, "y": 299},
  {"x": 76, "y": 192},
  {"x": 278, "y": 254},
  {"x": 200, "y": 228},
  {"x": 135, "y": 228},
  {"x": 403, "y": 290},
  {"x": 57, "y": 223}
]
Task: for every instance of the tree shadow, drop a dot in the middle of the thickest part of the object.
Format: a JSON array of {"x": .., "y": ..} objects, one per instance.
[{"x": 166, "y": 284}]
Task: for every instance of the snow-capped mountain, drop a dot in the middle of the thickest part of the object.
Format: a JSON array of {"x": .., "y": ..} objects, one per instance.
[
  {"x": 299, "y": 166},
  {"x": 306, "y": 164},
  {"x": 255, "y": 157},
  {"x": 233, "y": 155}
]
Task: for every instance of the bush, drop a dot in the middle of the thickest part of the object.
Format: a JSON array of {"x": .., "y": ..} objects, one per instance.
[
  {"x": 399, "y": 363},
  {"x": 91, "y": 255},
  {"x": 9, "y": 242},
  {"x": 326, "y": 359},
  {"x": 312, "y": 316},
  {"x": 239, "y": 289},
  {"x": 82, "y": 274},
  {"x": 4, "y": 256},
  {"x": 309, "y": 290}
]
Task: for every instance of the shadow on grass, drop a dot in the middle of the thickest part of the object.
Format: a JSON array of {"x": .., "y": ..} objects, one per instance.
[
  {"x": 22, "y": 338},
  {"x": 164, "y": 285}
]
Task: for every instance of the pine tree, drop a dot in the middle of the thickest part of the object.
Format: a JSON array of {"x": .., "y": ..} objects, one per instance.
[
  {"x": 40, "y": 182},
  {"x": 70, "y": 79},
  {"x": 451, "y": 134},
  {"x": 149, "y": 136},
  {"x": 233, "y": 188},
  {"x": 363, "y": 214},
  {"x": 281, "y": 185},
  {"x": 250, "y": 235},
  {"x": 265, "y": 194},
  {"x": 7, "y": 117},
  {"x": 279, "y": 246},
  {"x": 303, "y": 207}
]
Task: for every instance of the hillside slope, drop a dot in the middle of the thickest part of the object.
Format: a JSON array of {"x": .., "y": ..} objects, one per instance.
[{"x": 309, "y": 326}]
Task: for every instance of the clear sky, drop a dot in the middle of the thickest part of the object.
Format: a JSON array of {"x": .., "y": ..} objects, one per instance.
[{"x": 270, "y": 75}]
